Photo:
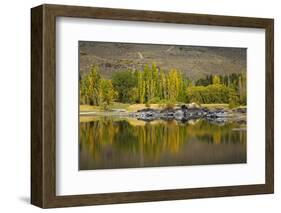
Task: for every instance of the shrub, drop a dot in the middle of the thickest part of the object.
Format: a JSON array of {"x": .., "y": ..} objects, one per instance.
[
  {"x": 170, "y": 105},
  {"x": 155, "y": 100},
  {"x": 214, "y": 93}
]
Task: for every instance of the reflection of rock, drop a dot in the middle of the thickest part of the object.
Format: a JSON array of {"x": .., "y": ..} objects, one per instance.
[
  {"x": 168, "y": 113},
  {"x": 217, "y": 113},
  {"x": 217, "y": 116},
  {"x": 147, "y": 114},
  {"x": 217, "y": 120},
  {"x": 179, "y": 114},
  {"x": 240, "y": 110},
  {"x": 182, "y": 113}
]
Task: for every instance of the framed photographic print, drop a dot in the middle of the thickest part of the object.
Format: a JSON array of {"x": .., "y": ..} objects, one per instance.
[{"x": 136, "y": 106}]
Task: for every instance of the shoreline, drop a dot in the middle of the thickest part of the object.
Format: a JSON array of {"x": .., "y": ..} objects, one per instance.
[{"x": 183, "y": 113}]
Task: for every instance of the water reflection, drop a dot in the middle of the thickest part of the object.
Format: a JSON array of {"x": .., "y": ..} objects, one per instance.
[{"x": 108, "y": 142}]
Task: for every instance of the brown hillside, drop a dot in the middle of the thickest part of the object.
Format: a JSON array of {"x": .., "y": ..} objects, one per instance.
[{"x": 194, "y": 61}]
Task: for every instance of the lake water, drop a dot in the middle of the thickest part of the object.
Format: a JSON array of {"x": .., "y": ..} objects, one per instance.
[{"x": 114, "y": 142}]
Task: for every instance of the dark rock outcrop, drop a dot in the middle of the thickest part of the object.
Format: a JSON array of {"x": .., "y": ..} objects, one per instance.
[{"x": 182, "y": 113}]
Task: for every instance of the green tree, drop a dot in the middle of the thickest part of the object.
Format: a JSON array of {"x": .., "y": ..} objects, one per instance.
[
  {"x": 176, "y": 86},
  {"x": 153, "y": 85},
  {"x": 216, "y": 79},
  {"x": 148, "y": 83},
  {"x": 242, "y": 87},
  {"x": 218, "y": 93},
  {"x": 89, "y": 87},
  {"x": 155, "y": 81},
  {"x": 123, "y": 82},
  {"x": 141, "y": 87},
  {"x": 133, "y": 94},
  {"x": 162, "y": 85},
  {"x": 107, "y": 94},
  {"x": 196, "y": 94},
  {"x": 214, "y": 93},
  {"x": 173, "y": 83},
  {"x": 233, "y": 98}
]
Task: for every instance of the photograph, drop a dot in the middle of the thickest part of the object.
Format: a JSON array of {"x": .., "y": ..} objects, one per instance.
[
  {"x": 143, "y": 105},
  {"x": 159, "y": 105}
]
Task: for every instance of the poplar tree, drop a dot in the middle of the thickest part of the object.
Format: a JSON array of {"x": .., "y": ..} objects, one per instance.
[{"x": 106, "y": 94}]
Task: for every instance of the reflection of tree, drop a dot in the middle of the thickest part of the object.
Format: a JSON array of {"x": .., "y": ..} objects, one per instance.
[{"x": 106, "y": 137}]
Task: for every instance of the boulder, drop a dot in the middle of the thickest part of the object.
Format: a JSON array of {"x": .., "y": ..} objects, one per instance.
[{"x": 240, "y": 110}]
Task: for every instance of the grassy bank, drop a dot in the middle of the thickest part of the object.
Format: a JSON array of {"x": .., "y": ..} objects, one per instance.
[
  {"x": 136, "y": 107},
  {"x": 115, "y": 105}
]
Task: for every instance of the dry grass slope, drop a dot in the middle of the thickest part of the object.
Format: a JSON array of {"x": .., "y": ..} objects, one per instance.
[{"x": 195, "y": 62}]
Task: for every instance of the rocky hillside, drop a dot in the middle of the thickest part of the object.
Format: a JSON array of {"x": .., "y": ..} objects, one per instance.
[{"x": 194, "y": 61}]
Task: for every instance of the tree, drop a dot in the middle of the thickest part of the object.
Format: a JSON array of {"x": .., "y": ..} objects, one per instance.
[
  {"x": 173, "y": 83},
  {"x": 218, "y": 93},
  {"x": 196, "y": 94},
  {"x": 176, "y": 86},
  {"x": 141, "y": 87},
  {"x": 182, "y": 88},
  {"x": 214, "y": 93},
  {"x": 123, "y": 82},
  {"x": 204, "y": 81},
  {"x": 233, "y": 98},
  {"x": 216, "y": 79},
  {"x": 89, "y": 87},
  {"x": 242, "y": 88},
  {"x": 153, "y": 85},
  {"x": 133, "y": 94},
  {"x": 106, "y": 94},
  {"x": 147, "y": 77},
  {"x": 155, "y": 81},
  {"x": 162, "y": 85}
]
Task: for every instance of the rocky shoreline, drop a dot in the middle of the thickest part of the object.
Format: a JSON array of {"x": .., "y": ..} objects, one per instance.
[{"x": 185, "y": 113}]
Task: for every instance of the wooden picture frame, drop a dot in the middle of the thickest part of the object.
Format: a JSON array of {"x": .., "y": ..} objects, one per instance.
[{"x": 43, "y": 105}]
